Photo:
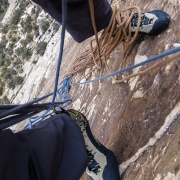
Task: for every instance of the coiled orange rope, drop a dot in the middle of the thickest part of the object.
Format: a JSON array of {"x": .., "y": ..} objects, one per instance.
[{"x": 117, "y": 32}]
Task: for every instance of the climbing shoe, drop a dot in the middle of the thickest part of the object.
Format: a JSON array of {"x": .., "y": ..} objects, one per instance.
[
  {"x": 102, "y": 163},
  {"x": 152, "y": 23}
]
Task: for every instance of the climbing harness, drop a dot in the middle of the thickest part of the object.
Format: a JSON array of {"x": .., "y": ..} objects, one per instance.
[{"x": 62, "y": 95}]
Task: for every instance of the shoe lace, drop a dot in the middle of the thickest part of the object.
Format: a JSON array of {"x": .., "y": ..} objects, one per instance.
[
  {"x": 81, "y": 121},
  {"x": 93, "y": 165},
  {"x": 144, "y": 20}
]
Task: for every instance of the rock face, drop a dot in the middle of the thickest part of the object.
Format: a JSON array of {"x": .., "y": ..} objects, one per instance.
[{"x": 139, "y": 119}]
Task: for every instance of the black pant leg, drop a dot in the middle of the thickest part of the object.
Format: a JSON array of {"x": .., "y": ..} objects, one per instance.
[
  {"x": 55, "y": 149},
  {"x": 79, "y": 23}
]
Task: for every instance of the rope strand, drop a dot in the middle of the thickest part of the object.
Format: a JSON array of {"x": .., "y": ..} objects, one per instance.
[{"x": 118, "y": 31}]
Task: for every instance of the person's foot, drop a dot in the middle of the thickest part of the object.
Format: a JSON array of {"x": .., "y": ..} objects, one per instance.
[
  {"x": 102, "y": 163},
  {"x": 152, "y": 23}
]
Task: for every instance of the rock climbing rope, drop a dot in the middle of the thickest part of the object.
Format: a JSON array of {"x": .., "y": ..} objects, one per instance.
[
  {"x": 117, "y": 32},
  {"x": 17, "y": 114}
]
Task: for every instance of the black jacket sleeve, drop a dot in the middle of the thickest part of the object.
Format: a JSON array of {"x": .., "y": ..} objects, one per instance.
[{"x": 79, "y": 23}]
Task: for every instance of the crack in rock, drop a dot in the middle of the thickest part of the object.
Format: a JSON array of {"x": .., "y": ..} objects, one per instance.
[{"x": 170, "y": 119}]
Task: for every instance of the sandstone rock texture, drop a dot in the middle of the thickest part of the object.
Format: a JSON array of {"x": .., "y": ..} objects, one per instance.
[{"x": 139, "y": 120}]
